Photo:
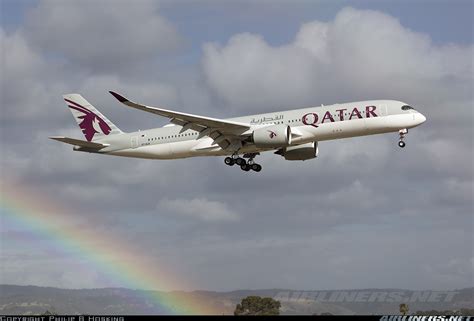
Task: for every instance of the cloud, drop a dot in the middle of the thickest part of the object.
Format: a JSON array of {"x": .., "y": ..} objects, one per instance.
[
  {"x": 66, "y": 272},
  {"x": 101, "y": 35},
  {"x": 199, "y": 208},
  {"x": 247, "y": 71},
  {"x": 360, "y": 54},
  {"x": 22, "y": 68}
]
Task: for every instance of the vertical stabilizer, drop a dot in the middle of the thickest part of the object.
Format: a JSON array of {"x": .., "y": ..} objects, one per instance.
[{"x": 93, "y": 124}]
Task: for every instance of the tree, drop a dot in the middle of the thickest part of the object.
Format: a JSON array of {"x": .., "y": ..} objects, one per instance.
[
  {"x": 404, "y": 308},
  {"x": 255, "y": 305},
  {"x": 47, "y": 312}
]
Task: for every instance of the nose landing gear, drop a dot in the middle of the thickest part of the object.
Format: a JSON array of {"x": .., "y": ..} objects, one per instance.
[
  {"x": 402, "y": 133},
  {"x": 242, "y": 163}
]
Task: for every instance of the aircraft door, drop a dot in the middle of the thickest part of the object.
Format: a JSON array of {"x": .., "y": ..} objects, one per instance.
[{"x": 134, "y": 141}]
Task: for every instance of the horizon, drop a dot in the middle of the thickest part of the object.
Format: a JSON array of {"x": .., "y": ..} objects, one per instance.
[{"x": 238, "y": 290}]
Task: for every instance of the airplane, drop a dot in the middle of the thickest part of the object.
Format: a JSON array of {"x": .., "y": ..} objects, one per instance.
[{"x": 293, "y": 134}]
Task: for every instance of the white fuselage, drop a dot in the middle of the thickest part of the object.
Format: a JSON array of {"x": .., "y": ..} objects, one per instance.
[{"x": 307, "y": 125}]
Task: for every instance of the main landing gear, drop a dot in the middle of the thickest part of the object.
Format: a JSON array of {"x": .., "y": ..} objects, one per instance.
[
  {"x": 402, "y": 133},
  {"x": 242, "y": 163}
]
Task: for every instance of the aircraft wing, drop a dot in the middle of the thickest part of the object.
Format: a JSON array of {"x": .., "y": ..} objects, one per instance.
[{"x": 223, "y": 132}]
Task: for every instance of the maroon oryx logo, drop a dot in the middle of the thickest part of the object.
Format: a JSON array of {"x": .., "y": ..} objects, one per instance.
[
  {"x": 89, "y": 121},
  {"x": 272, "y": 134}
]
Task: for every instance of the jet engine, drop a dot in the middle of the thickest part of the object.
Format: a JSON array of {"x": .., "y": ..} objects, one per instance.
[
  {"x": 272, "y": 136},
  {"x": 300, "y": 152}
]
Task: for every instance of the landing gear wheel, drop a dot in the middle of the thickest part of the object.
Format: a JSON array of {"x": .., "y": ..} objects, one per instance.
[
  {"x": 240, "y": 161},
  {"x": 229, "y": 161},
  {"x": 245, "y": 167},
  {"x": 256, "y": 167},
  {"x": 402, "y": 133}
]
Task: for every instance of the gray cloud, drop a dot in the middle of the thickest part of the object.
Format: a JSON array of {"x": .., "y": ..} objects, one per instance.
[
  {"x": 22, "y": 68},
  {"x": 102, "y": 35},
  {"x": 200, "y": 208}
]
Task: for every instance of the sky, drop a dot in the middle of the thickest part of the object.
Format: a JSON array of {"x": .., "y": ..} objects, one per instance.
[{"x": 364, "y": 214}]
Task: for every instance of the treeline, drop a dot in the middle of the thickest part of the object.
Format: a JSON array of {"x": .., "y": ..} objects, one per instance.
[{"x": 447, "y": 312}]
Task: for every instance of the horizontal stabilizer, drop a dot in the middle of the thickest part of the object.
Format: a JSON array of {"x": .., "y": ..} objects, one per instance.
[{"x": 78, "y": 142}]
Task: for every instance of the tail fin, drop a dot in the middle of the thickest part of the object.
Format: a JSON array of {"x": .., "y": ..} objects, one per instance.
[{"x": 93, "y": 124}]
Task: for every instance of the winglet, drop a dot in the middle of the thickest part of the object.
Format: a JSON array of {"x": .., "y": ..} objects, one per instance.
[{"x": 120, "y": 98}]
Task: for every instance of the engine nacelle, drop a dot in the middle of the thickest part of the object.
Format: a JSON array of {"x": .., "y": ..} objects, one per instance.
[
  {"x": 301, "y": 152},
  {"x": 272, "y": 136}
]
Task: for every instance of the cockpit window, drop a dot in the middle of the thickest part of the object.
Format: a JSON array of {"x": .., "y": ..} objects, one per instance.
[{"x": 406, "y": 107}]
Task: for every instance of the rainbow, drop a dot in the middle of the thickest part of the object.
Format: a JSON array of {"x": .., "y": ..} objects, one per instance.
[{"x": 106, "y": 253}]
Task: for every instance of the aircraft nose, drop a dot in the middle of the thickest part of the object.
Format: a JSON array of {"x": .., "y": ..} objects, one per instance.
[{"x": 421, "y": 118}]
